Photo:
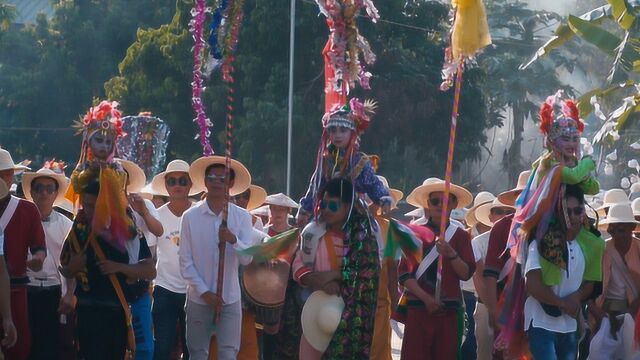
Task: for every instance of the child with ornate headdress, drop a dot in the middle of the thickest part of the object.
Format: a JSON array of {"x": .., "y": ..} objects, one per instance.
[
  {"x": 339, "y": 156},
  {"x": 104, "y": 252},
  {"x": 544, "y": 218}
]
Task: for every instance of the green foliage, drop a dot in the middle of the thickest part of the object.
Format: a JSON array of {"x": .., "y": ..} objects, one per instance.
[
  {"x": 410, "y": 130},
  {"x": 52, "y": 71}
]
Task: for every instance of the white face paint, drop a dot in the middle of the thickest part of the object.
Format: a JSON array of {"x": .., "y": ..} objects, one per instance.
[
  {"x": 340, "y": 136},
  {"x": 101, "y": 144}
]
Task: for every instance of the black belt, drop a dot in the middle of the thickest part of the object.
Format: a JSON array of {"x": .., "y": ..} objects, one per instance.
[
  {"x": 38, "y": 289},
  {"x": 17, "y": 281}
]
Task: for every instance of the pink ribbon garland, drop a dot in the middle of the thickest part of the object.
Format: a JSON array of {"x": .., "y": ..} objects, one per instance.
[{"x": 196, "y": 27}]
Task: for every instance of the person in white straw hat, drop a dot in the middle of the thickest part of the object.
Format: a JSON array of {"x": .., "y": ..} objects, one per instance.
[
  {"x": 486, "y": 214},
  {"x": 8, "y": 327},
  {"x": 476, "y": 227},
  {"x": 203, "y": 227},
  {"x": 23, "y": 234},
  {"x": 430, "y": 325},
  {"x": 617, "y": 306},
  {"x": 144, "y": 212},
  {"x": 46, "y": 188},
  {"x": 251, "y": 199},
  {"x": 170, "y": 290},
  {"x": 280, "y": 207}
]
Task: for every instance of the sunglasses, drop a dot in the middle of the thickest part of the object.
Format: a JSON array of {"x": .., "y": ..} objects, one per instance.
[
  {"x": 39, "y": 188},
  {"x": 437, "y": 201},
  {"x": 577, "y": 211},
  {"x": 332, "y": 205},
  {"x": 214, "y": 177},
  {"x": 499, "y": 211},
  {"x": 182, "y": 181},
  {"x": 245, "y": 196}
]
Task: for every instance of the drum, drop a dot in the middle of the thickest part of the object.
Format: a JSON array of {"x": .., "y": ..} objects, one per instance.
[{"x": 264, "y": 286}]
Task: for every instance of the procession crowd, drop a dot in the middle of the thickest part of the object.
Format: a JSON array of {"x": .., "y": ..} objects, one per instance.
[{"x": 200, "y": 263}]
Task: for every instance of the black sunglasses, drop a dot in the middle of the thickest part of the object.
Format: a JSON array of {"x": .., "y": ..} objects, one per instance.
[
  {"x": 332, "y": 205},
  {"x": 500, "y": 211},
  {"x": 39, "y": 188},
  {"x": 172, "y": 181},
  {"x": 438, "y": 201}
]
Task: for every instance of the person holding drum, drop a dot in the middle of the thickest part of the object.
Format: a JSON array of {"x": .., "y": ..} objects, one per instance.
[
  {"x": 280, "y": 207},
  {"x": 339, "y": 257}
]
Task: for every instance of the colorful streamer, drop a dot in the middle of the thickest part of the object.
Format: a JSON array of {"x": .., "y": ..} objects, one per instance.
[{"x": 196, "y": 27}]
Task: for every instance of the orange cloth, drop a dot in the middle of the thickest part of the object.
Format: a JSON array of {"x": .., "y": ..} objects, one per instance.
[
  {"x": 381, "y": 345},
  {"x": 248, "y": 339}
]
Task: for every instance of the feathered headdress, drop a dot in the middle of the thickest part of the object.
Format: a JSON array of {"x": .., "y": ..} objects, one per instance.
[
  {"x": 105, "y": 118},
  {"x": 354, "y": 115},
  {"x": 55, "y": 166},
  {"x": 559, "y": 117}
]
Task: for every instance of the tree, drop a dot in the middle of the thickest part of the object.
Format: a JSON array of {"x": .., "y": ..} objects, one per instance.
[
  {"x": 52, "y": 71},
  {"x": 512, "y": 90},
  {"x": 410, "y": 130}
]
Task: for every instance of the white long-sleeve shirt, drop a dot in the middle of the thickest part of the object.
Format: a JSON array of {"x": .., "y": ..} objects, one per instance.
[{"x": 199, "y": 254}]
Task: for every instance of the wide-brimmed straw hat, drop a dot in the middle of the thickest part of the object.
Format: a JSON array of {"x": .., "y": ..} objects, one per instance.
[
  {"x": 415, "y": 213},
  {"x": 419, "y": 197},
  {"x": 261, "y": 211},
  {"x": 396, "y": 194},
  {"x": 63, "y": 183},
  {"x": 635, "y": 206},
  {"x": 137, "y": 178},
  {"x": 509, "y": 197},
  {"x": 242, "y": 178},
  {"x": 613, "y": 197},
  {"x": 320, "y": 318},
  {"x": 6, "y": 162},
  {"x": 482, "y": 197},
  {"x": 4, "y": 191},
  {"x": 483, "y": 211},
  {"x": 619, "y": 214},
  {"x": 158, "y": 185},
  {"x": 257, "y": 197},
  {"x": 281, "y": 199}
]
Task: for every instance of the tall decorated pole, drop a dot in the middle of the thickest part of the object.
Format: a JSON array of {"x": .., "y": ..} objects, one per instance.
[
  {"x": 222, "y": 43},
  {"x": 469, "y": 34},
  {"x": 346, "y": 52}
]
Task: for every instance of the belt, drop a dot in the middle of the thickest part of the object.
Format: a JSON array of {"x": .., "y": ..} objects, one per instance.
[
  {"x": 38, "y": 289},
  {"x": 19, "y": 281}
]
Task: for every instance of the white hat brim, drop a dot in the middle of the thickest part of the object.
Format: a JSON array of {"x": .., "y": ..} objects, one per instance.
[
  {"x": 242, "y": 179},
  {"x": 318, "y": 339},
  {"x": 63, "y": 184},
  {"x": 257, "y": 197},
  {"x": 419, "y": 196},
  {"x": 137, "y": 178}
]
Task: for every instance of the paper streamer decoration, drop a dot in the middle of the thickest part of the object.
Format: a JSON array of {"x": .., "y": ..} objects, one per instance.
[{"x": 146, "y": 142}]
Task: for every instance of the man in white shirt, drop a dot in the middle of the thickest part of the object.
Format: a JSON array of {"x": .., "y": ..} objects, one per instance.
[
  {"x": 170, "y": 290},
  {"x": 9, "y": 329},
  {"x": 45, "y": 290},
  {"x": 203, "y": 228},
  {"x": 556, "y": 280},
  {"x": 486, "y": 214}
]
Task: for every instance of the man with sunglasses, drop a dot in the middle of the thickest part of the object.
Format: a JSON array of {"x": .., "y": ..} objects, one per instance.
[
  {"x": 431, "y": 330},
  {"x": 170, "y": 290},
  {"x": 203, "y": 228},
  {"x": 339, "y": 256},
  {"x": 46, "y": 188},
  {"x": 560, "y": 270},
  {"x": 23, "y": 233},
  {"x": 615, "y": 309}
]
